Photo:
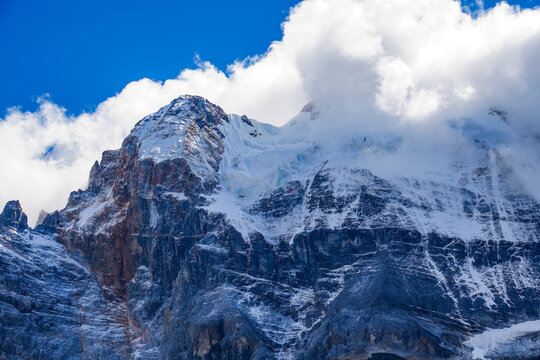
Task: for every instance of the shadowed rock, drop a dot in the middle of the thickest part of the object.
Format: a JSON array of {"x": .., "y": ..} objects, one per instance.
[{"x": 13, "y": 215}]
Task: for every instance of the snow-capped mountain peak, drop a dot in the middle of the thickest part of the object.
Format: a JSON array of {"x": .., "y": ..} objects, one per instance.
[{"x": 209, "y": 235}]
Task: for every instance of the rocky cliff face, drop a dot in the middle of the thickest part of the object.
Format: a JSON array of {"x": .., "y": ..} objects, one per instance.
[{"x": 212, "y": 236}]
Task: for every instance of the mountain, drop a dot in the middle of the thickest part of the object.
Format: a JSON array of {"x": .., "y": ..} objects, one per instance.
[{"x": 213, "y": 236}]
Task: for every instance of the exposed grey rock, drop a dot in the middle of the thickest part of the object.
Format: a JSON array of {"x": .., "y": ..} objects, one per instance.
[{"x": 41, "y": 217}]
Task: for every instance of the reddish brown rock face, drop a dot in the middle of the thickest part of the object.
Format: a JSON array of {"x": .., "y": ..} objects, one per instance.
[{"x": 128, "y": 201}]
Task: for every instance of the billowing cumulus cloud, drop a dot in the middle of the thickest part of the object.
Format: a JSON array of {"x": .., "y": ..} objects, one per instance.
[{"x": 410, "y": 65}]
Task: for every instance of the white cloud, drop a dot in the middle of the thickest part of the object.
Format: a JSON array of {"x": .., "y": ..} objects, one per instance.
[{"x": 405, "y": 64}]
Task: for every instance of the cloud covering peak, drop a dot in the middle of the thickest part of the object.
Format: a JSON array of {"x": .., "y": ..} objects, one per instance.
[{"x": 406, "y": 65}]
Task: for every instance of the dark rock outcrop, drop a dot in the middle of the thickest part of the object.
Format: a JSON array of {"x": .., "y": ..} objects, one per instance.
[{"x": 13, "y": 216}]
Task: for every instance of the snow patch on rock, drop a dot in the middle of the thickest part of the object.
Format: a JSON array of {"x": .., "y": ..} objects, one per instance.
[{"x": 492, "y": 340}]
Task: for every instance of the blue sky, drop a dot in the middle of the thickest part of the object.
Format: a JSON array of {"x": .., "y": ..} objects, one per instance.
[
  {"x": 473, "y": 4},
  {"x": 81, "y": 52}
]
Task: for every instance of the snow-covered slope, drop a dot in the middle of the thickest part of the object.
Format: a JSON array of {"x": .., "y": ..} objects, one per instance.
[
  {"x": 517, "y": 340},
  {"x": 457, "y": 199}
]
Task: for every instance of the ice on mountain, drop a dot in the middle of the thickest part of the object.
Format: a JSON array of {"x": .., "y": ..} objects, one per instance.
[{"x": 500, "y": 341}]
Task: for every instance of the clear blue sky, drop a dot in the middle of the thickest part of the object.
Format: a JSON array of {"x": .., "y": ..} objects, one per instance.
[
  {"x": 81, "y": 52},
  {"x": 473, "y": 4}
]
